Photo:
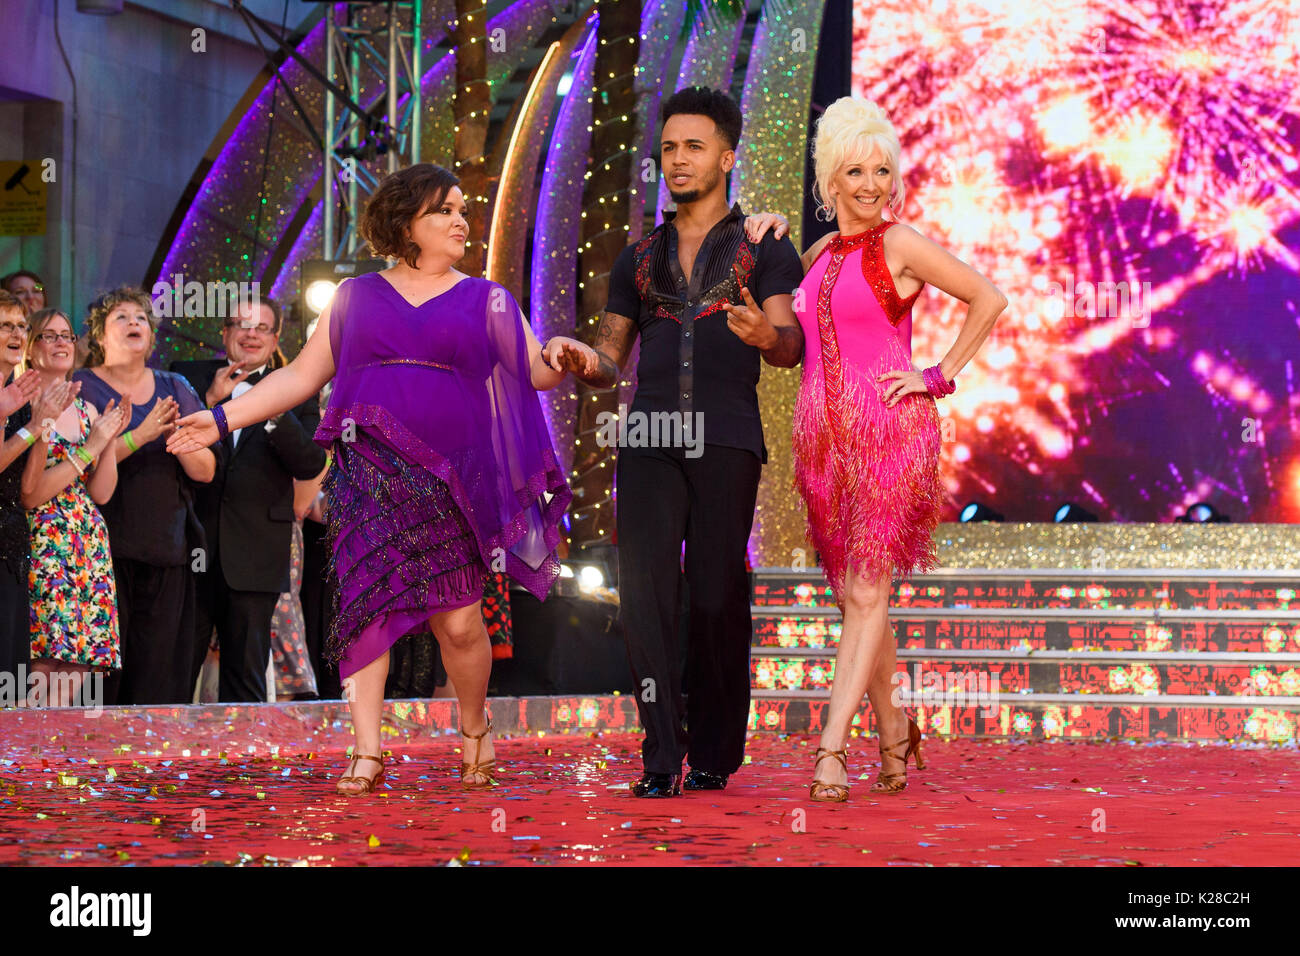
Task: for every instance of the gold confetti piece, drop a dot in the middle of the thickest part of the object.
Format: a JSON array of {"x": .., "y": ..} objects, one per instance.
[
  {"x": 157, "y": 821},
  {"x": 262, "y": 796},
  {"x": 67, "y": 780},
  {"x": 373, "y": 841},
  {"x": 93, "y": 762}
]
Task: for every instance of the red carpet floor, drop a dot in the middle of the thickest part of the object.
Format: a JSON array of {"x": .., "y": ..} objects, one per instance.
[{"x": 564, "y": 801}]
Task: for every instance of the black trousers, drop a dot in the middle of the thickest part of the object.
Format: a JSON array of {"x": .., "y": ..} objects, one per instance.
[
  {"x": 155, "y": 616},
  {"x": 15, "y": 623},
  {"x": 665, "y": 499},
  {"x": 243, "y": 623},
  {"x": 317, "y": 594}
]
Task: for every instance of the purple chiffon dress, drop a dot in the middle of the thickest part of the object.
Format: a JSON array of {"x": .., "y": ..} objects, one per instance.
[{"x": 443, "y": 466}]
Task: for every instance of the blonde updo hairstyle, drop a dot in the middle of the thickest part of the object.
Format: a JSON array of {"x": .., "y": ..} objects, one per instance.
[{"x": 846, "y": 133}]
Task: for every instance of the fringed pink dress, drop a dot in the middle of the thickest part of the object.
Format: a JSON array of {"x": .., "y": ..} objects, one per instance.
[{"x": 868, "y": 474}]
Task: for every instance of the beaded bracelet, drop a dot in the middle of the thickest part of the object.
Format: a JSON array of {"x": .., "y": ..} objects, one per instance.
[
  {"x": 219, "y": 416},
  {"x": 935, "y": 382},
  {"x": 129, "y": 438}
]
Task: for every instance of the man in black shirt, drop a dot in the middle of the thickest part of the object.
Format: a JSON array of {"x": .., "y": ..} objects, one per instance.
[{"x": 709, "y": 305}]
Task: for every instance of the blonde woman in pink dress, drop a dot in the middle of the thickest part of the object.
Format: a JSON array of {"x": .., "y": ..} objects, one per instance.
[{"x": 866, "y": 429}]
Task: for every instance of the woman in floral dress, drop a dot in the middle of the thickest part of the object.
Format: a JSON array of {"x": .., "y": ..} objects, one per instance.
[{"x": 70, "y": 470}]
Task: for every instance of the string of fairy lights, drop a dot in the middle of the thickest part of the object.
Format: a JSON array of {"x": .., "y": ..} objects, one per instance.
[{"x": 205, "y": 246}]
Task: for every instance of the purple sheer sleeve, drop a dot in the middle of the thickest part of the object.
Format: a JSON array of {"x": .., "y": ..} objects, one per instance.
[
  {"x": 528, "y": 472},
  {"x": 338, "y": 312}
]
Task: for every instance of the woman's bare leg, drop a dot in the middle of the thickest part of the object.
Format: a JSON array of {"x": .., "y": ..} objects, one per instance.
[
  {"x": 891, "y": 721},
  {"x": 862, "y": 639},
  {"x": 364, "y": 692},
  {"x": 467, "y": 656},
  {"x": 59, "y": 684}
]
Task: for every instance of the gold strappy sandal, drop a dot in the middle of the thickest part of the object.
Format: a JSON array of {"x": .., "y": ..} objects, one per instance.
[
  {"x": 368, "y": 784},
  {"x": 897, "y": 782},
  {"x": 830, "y": 792},
  {"x": 477, "y": 769}
]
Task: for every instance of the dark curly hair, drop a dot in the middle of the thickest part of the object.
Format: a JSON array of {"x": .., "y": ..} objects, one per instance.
[
  {"x": 704, "y": 101},
  {"x": 401, "y": 196}
]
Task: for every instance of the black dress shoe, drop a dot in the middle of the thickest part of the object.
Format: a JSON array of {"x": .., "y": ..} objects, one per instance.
[
  {"x": 658, "y": 785},
  {"x": 703, "y": 780}
]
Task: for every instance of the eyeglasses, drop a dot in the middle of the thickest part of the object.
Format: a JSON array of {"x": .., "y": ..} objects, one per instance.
[
  {"x": 49, "y": 338},
  {"x": 261, "y": 329},
  {"x": 9, "y": 328}
]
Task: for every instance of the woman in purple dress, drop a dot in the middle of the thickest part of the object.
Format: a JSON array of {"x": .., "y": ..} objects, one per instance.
[{"x": 442, "y": 466}]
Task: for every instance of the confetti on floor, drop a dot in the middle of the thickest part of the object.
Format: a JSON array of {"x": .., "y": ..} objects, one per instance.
[{"x": 563, "y": 800}]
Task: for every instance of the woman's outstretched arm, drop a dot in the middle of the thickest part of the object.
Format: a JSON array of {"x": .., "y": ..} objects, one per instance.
[{"x": 280, "y": 391}]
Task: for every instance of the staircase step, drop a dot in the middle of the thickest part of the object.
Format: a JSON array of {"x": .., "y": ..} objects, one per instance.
[
  {"x": 1260, "y": 676},
  {"x": 1053, "y": 588},
  {"x": 1187, "y": 631}
]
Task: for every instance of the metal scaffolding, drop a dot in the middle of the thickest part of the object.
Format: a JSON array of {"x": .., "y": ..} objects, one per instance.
[{"x": 389, "y": 47}]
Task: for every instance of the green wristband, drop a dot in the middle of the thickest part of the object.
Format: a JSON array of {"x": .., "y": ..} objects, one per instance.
[
  {"x": 129, "y": 438},
  {"x": 85, "y": 456}
]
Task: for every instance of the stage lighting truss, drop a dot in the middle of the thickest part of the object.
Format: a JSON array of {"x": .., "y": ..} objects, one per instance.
[{"x": 359, "y": 46}]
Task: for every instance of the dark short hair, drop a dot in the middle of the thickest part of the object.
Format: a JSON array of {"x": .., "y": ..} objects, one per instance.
[
  {"x": 10, "y": 301},
  {"x": 704, "y": 101},
  {"x": 277, "y": 312},
  {"x": 399, "y": 198},
  {"x": 21, "y": 274}
]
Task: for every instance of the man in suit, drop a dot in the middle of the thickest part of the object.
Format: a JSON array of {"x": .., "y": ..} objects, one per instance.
[{"x": 247, "y": 510}]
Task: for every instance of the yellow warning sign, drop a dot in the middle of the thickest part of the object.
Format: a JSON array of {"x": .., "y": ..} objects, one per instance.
[{"x": 22, "y": 198}]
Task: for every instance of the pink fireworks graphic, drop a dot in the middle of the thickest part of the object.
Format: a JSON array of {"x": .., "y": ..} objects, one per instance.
[{"x": 1127, "y": 175}]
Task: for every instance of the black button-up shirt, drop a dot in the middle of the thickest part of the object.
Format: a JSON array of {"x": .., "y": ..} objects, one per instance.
[{"x": 691, "y": 362}]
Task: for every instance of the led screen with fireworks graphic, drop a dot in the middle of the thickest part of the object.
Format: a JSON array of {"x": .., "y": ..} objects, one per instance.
[{"x": 1127, "y": 174}]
